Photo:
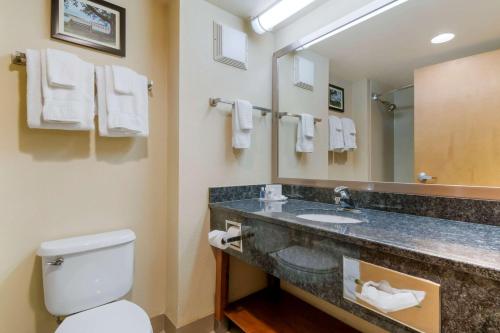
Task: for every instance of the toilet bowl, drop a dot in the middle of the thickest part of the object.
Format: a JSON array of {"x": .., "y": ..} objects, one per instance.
[{"x": 85, "y": 279}]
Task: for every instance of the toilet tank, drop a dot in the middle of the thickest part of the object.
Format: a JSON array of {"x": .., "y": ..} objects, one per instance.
[{"x": 81, "y": 273}]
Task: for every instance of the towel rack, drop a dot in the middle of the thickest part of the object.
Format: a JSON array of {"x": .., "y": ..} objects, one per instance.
[
  {"x": 216, "y": 100},
  {"x": 19, "y": 58},
  {"x": 287, "y": 114}
]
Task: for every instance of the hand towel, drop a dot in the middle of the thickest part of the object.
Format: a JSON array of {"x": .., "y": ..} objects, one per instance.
[
  {"x": 336, "y": 138},
  {"x": 216, "y": 238},
  {"x": 349, "y": 131},
  {"x": 63, "y": 69},
  {"x": 387, "y": 299},
  {"x": 305, "y": 137},
  {"x": 123, "y": 79},
  {"x": 245, "y": 116},
  {"x": 127, "y": 113},
  {"x": 102, "y": 109},
  {"x": 62, "y": 105},
  {"x": 35, "y": 100},
  {"x": 242, "y": 124}
]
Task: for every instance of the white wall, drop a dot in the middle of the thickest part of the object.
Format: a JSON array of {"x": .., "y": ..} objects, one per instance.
[
  {"x": 297, "y": 100},
  {"x": 206, "y": 157}
]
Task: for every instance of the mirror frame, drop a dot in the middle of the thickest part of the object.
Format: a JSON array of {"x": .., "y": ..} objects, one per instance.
[{"x": 457, "y": 191}]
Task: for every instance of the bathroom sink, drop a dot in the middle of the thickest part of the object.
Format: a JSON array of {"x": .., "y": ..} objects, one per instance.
[{"x": 329, "y": 218}]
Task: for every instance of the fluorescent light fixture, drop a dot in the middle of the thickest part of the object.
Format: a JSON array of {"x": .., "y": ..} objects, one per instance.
[
  {"x": 363, "y": 14},
  {"x": 442, "y": 38},
  {"x": 279, "y": 12}
]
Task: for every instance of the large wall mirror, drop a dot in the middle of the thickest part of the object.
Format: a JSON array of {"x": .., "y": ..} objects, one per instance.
[{"x": 403, "y": 92}]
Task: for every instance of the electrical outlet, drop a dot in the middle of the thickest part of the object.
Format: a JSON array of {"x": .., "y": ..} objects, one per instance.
[{"x": 238, "y": 246}]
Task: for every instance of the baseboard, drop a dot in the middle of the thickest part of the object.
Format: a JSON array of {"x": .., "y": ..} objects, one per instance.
[
  {"x": 158, "y": 323},
  {"x": 203, "y": 325}
]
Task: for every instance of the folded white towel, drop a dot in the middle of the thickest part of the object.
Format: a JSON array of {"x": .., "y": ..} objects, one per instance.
[
  {"x": 102, "y": 109},
  {"x": 336, "y": 139},
  {"x": 387, "y": 299},
  {"x": 123, "y": 79},
  {"x": 244, "y": 114},
  {"x": 127, "y": 113},
  {"x": 349, "y": 131},
  {"x": 64, "y": 105},
  {"x": 242, "y": 124},
  {"x": 63, "y": 69},
  {"x": 305, "y": 134},
  {"x": 216, "y": 237},
  {"x": 35, "y": 99}
]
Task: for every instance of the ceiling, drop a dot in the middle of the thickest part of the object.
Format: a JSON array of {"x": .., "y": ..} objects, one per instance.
[{"x": 390, "y": 46}]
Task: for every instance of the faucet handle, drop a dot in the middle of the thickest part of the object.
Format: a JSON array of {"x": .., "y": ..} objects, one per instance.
[{"x": 339, "y": 189}]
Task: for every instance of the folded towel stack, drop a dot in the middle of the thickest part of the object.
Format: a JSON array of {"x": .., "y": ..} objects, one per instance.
[
  {"x": 60, "y": 91},
  {"x": 122, "y": 102},
  {"x": 305, "y": 134},
  {"x": 242, "y": 124},
  {"x": 336, "y": 140}
]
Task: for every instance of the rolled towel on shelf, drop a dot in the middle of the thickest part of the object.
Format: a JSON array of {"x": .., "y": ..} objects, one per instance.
[
  {"x": 242, "y": 124},
  {"x": 388, "y": 299},
  {"x": 305, "y": 134}
]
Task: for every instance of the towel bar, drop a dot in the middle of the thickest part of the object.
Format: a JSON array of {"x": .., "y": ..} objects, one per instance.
[
  {"x": 287, "y": 114},
  {"x": 216, "y": 100},
  {"x": 19, "y": 58}
]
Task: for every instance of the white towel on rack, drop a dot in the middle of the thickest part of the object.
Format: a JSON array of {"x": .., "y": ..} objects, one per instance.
[
  {"x": 123, "y": 79},
  {"x": 242, "y": 115},
  {"x": 102, "y": 109},
  {"x": 63, "y": 69},
  {"x": 35, "y": 99},
  {"x": 349, "y": 131},
  {"x": 336, "y": 138},
  {"x": 63, "y": 105},
  {"x": 127, "y": 113},
  {"x": 305, "y": 134}
]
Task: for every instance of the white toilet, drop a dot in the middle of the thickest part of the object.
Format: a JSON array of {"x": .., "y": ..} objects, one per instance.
[{"x": 84, "y": 278}]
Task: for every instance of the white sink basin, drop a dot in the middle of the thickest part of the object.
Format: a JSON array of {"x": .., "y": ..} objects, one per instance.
[{"x": 328, "y": 218}]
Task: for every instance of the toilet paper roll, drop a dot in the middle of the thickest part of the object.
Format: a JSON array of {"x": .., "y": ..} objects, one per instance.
[{"x": 215, "y": 238}]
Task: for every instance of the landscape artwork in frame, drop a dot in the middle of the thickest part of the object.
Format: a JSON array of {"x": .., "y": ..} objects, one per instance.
[
  {"x": 93, "y": 23},
  {"x": 336, "y": 98}
]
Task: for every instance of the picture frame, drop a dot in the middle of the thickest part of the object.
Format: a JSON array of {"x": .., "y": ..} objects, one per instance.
[
  {"x": 96, "y": 24},
  {"x": 335, "y": 98}
]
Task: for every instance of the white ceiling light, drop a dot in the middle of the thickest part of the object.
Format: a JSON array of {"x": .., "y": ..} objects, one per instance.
[
  {"x": 442, "y": 38},
  {"x": 277, "y": 13},
  {"x": 363, "y": 14}
]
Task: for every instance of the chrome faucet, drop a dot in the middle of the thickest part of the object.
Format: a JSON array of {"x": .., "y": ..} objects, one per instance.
[{"x": 346, "y": 201}]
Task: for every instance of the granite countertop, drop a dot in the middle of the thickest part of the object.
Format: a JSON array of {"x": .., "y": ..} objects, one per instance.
[{"x": 470, "y": 247}]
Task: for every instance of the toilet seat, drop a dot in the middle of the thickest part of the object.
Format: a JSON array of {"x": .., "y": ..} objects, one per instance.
[{"x": 121, "y": 317}]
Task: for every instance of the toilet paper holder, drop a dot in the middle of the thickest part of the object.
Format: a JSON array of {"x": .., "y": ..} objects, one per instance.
[{"x": 235, "y": 238}]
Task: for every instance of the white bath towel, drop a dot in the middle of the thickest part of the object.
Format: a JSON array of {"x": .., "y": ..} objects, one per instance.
[
  {"x": 349, "y": 131},
  {"x": 336, "y": 135},
  {"x": 35, "y": 99},
  {"x": 387, "y": 299},
  {"x": 127, "y": 113},
  {"x": 102, "y": 110},
  {"x": 63, "y": 69},
  {"x": 123, "y": 79},
  {"x": 63, "y": 105},
  {"x": 242, "y": 124},
  {"x": 305, "y": 134}
]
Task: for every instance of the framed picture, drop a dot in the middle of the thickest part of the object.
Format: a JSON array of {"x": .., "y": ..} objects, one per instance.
[
  {"x": 335, "y": 98},
  {"x": 93, "y": 23}
]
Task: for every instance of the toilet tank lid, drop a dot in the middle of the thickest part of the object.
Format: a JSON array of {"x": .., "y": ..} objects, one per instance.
[{"x": 85, "y": 243}]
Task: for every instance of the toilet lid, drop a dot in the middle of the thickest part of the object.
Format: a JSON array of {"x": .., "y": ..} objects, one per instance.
[{"x": 121, "y": 316}]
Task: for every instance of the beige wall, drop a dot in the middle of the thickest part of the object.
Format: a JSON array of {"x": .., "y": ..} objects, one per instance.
[
  {"x": 59, "y": 184},
  {"x": 206, "y": 157},
  {"x": 297, "y": 100}
]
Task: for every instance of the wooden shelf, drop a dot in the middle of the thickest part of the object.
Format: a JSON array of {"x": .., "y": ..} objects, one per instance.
[{"x": 276, "y": 311}]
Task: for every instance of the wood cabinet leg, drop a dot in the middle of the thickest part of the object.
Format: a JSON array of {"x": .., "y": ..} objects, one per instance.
[{"x": 221, "y": 283}]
